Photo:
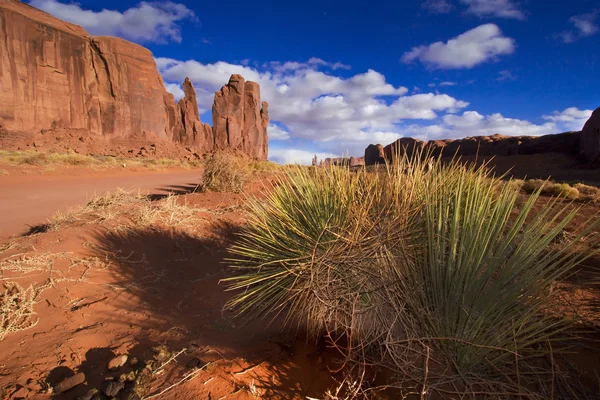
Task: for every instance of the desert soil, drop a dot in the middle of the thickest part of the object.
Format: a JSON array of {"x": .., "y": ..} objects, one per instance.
[
  {"x": 30, "y": 200},
  {"x": 143, "y": 279},
  {"x": 120, "y": 282}
]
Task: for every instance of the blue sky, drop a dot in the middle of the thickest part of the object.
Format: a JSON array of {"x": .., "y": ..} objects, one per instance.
[{"x": 340, "y": 75}]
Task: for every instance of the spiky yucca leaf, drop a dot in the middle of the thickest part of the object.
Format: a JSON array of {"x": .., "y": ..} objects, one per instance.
[{"x": 419, "y": 249}]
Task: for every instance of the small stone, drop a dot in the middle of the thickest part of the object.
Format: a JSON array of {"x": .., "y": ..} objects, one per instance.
[
  {"x": 193, "y": 347},
  {"x": 112, "y": 388},
  {"x": 117, "y": 362},
  {"x": 194, "y": 363},
  {"x": 69, "y": 383},
  {"x": 88, "y": 396},
  {"x": 129, "y": 393}
]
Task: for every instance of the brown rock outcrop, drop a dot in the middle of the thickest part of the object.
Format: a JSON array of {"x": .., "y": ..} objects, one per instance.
[
  {"x": 54, "y": 75},
  {"x": 485, "y": 146},
  {"x": 192, "y": 132},
  {"x": 590, "y": 138},
  {"x": 238, "y": 121},
  {"x": 374, "y": 154}
]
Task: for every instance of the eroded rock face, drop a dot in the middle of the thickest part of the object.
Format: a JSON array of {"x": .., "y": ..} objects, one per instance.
[
  {"x": 238, "y": 121},
  {"x": 485, "y": 146},
  {"x": 374, "y": 154},
  {"x": 192, "y": 132},
  {"x": 590, "y": 138},
  {"x": 54, "y": 75}
]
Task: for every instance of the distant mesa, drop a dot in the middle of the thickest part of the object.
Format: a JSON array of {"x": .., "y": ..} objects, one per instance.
[
  {"x": 54, "y": 74},
  {"x": 590, "y": 138},
  {"x": 582, "y": 144}
]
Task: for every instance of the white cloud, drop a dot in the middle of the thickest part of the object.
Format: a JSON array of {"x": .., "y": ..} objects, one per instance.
[
  {"x": 296, "y": 156},
  {"x": 571, "y": 119},
  {"x": 437, "y": 6},
  {"x": 506, "y": 75},
  {"x": 481, "y": 44},
  {"x": 277, "y": 133},
  {"x": 147, "y": 22},
  {"x": 472, "y": 123},
  {"x": 493, "y": 8},
  {"x": 584, "y": 25},
  {"x": 447, "y": 83}
]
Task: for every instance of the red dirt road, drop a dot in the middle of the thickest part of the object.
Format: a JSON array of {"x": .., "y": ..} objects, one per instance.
[{"x": 29, "y": 200}]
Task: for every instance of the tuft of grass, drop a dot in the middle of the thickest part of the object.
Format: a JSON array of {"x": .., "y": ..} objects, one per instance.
[
  {"x": 16, "y": 308},
  {"x": 587, "y": 192},
  {"x": 416, "y": 256},
  {"x": 4, "y": 172},
  {"x": 224, "y": 172},
  {"x": 48, "y": 160},
  {"x": 549, "y": 188}
]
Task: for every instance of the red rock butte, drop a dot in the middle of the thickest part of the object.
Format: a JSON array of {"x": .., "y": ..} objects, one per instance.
[{"x": 54, "y": 74}]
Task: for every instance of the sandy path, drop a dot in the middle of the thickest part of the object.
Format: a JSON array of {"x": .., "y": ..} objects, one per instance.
[{"x": 30, "y": 200}]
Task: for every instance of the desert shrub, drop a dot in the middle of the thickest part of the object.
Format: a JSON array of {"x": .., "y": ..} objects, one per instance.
[
  {"x": 549, "y": 188},
  {"x": 16, "y": 308},
  {"x": 587, "y": 192},
  {"x": 405, "y": 259},
  {"x": 225, "y": 172}
]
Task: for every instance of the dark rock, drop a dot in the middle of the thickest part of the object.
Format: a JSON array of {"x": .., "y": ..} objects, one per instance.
[
  {"x": 112, "y": 388},
  {"x": 117, "y": 362},
  {"x": 590, "y": 138},
  {"x": 194, "y": 363},
  {"x": 69, "y": 383},
  {"x": 89, "y": 395}
]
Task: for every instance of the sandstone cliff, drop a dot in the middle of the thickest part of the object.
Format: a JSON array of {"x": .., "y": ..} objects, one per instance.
[
  {"x": 54, "y": 75},
  {"x": 590, "y": 138},
  {"x": 494, "y": 145},
  {"x": 239, "y": 122}
]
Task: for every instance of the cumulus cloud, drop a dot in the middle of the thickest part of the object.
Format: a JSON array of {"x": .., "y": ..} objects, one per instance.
[
  {"x": 277, "y": 133},
  {"x": 571, "y": 119},
  {"x": 481, "y": 44},
  {"x": 437, "y": 6},
  {"x": 147, "y": 22},
  {"x": 472, "y": 123},
  {"x": 584, "y": 25},
  {"x": 493, "y": 8}
]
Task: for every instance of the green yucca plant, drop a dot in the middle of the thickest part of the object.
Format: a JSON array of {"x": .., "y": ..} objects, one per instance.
[{"x": 419, "y": 249}]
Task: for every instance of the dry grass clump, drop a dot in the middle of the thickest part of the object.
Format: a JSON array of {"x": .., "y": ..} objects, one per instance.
[
  {"x": 587, "y": 192},
  {"x": 16, "y": 308},
  {"x": 225, "y": 172},
  {"x": 35, "y": 158},
  {"x": 167, "y": 211},
  {"x": 548, "y": 188},
  {"x": 4, "y": 172},
  {"x": 426, "y": 268}
]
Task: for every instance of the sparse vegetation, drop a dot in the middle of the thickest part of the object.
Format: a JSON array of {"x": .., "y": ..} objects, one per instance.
[
  {"x": 549, "y": 188},
  {"x": 16, "y": 308},
  {"x": 587, "y": 192},
  {"x": 224, "y": 172},
  {"x": 34, "y": 158},
  {"x": 410, "y": 262}
]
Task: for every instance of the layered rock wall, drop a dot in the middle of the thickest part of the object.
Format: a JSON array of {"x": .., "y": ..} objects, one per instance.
[
  {"x": 485, "y": 146},
  {"x": 53, "y": 74},
  {"x": 239, "y": 122}
]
